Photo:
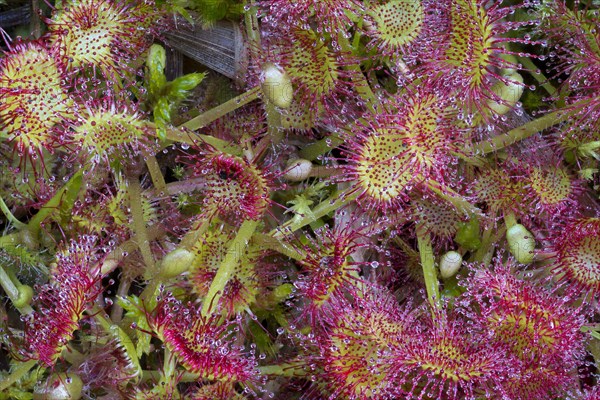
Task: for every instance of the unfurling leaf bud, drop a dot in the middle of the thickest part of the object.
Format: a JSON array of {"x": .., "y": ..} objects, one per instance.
[
  {"x": 521, "y": 243},
  {"x": 176, "y": 262},
  {"x": 467, "y": 235},
  {"x": 450, "y": 264},
  {"x": 298, "y": 170},
  {"x": 277, "y": 85}
]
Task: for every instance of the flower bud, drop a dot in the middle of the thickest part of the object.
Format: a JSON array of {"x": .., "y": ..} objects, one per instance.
[
  {"x": 298, "y": 170},
  {"x": 60, "y": 386},
  {"x": 450, "y": 264},
  {"x": 509, "y": 93},
  {"x": 25, "y": 296},
  {"x": 521, "y": 243},
  {"x": 176, "y": 262},
  {"x": 277, "y": 85}
]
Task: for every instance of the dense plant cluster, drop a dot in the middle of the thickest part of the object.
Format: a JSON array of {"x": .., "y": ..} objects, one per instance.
[{"x": 402, "y": 203}]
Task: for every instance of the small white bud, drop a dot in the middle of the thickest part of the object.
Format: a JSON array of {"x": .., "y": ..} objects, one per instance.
[
  {"x": 277, "y": 85},
  {"x": 521, "y": 243},
  {"x": 510, "y": 94},
  {"x": 298, "y": 170},
  {"x": 176, "y": 262},
  {"x": 59, "y": 386},
  {"x": 450, "y": 264}
]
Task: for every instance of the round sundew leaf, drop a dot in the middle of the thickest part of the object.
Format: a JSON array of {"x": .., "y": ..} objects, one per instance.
[
  {"x": 312, "y": 65},
  {"x": 551, "y": 186},
  {"x": 439, "y": 218},
  {"x": 33, "y": 96},
  {"x": 495, "y": 187},
  {"x": 103, "y": 131},
  {"x": 397, "y": 22},
  {"x": 234, "y": 186},
  {"x": 448, "y": 358},
  {"x": 298, "y": 117},
  {"x": 383, "y": 167},
  {"x": 578, "y": 253},
  {"x": 88, "y": 31}
]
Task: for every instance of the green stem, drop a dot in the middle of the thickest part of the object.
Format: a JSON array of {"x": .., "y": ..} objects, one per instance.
[
  {"x": 139, "y": 223},
  {"x": 428, "y": 265},
  {"x": 67, "y": 194},
  {"x": 252, "y": 29},
  {"x": 452, "y": 197},
  {"x": 236, "y": 248},
  {"x": 158, "y": 180},
  {"x": 287, "y": 370},
  {"x": 328, "y": 205},
  {"x": 156, "y": 375},
  {"x": 362, "y": 86},
  {"x": 542, "y": 80},
  {"x": 279, "y": 246},
  {"x": 275, "y": 133},
  {"x": 19, "y": 371},
  {"x": 524, "y": 131},
  {"x": 486, "y": 250},
  {"x": 10, "y": 217},
  {"x": 510, "y": 220},
  {"x": 112, "y": 260},
  {"x": 320, "y": 147},
  {"x": 12, "y": 291},
  {"x": 192, "y": 237},
  {"x": 192, "y": 139},
  {"x": 215, "y": 113}
]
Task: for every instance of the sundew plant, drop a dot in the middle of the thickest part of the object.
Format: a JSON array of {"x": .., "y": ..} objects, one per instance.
[{"x": 393, "y": 199}]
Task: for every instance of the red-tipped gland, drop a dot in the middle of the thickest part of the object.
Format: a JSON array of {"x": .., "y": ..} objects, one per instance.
[
  {"x": 327, "y": 272},
  {"x": 217, "y": 391},
  {"x": 499, "y": 189},
  {"x": 317, "y": 71},
  {"x": 475, "y": 53},
  {"x": 34, "y": 97},
  {"x": 396, "y": 23},
  {"x": 552, "y": 190},
  {"x": 203, "y": 345},
  {"x": 331, "y": 16},
  {"x": 61, "y": 302},
  {"x": 578, "y": 254},
  {"x": 438, "y": 217}
]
